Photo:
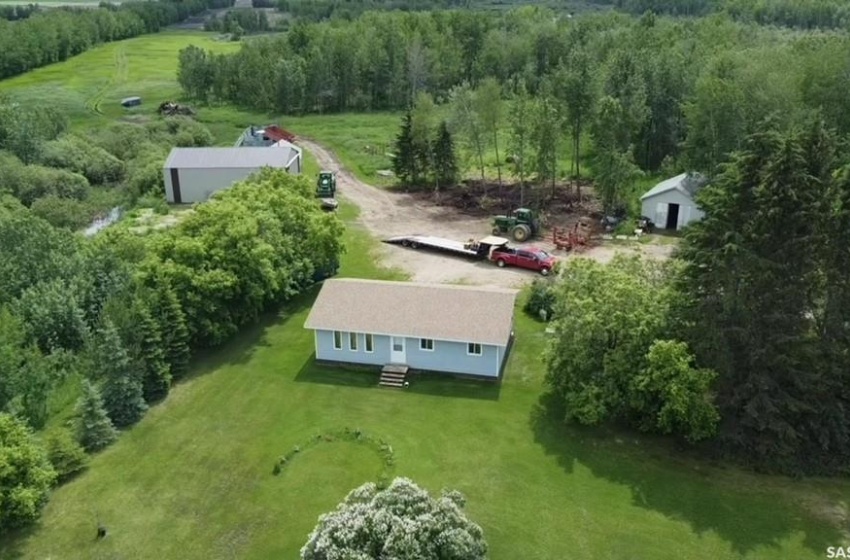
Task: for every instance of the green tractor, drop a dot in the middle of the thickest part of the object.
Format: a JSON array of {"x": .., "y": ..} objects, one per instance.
[
  {"x": 326, "y": 185},
  {"x": 522, "y": 224},
  {"x": 326, "y": 190}
]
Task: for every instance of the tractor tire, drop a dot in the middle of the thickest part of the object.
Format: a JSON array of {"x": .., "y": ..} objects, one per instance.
[
  {"x": 414, "y": 245},
  {"x": 501, "y": 263},
  {"x": 544, "y": 272},
  {"x": 521, "y": 233},
  {"x": 497, "y": 231},
  {"x": 405, "y": 243}
]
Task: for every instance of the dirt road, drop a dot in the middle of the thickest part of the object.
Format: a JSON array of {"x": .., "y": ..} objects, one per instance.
[{"x": 385, "y": 214}]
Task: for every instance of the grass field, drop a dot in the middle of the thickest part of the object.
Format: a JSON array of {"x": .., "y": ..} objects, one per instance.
[{"x": 89, "y": 87}]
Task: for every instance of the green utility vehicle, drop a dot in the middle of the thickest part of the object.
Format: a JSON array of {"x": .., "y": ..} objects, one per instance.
[
  {"x": 326, "y": 185},
  {"x": 326, "y": 190},
  {"x": 522, "y": 224}
]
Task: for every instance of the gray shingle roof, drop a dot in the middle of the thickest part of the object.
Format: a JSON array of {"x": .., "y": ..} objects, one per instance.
[
  {"x": 687, "y": 183},
  {"x": 244, "y": 158},
  {"x": 440, "y": 312}
]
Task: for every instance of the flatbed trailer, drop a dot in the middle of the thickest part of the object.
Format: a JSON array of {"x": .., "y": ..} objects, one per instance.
[{"x": 472, "y": 249}]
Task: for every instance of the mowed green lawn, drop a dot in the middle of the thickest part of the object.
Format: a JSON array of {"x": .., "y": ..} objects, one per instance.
[
  {"x": 194, "y": 479},
  {"x": 89, "y": 87}
]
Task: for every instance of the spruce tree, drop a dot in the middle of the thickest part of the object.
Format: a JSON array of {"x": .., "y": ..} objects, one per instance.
[
  {"x": 156, "y": 378},
  {"x": 95, "y": 429},
  {"x": 404, "y": 159},
  {"x": 122, "y": 390},
  {"x": 173, "y": 330},
  {"x": 753, "y": 272},
  {"x": 445, "y": 159}
]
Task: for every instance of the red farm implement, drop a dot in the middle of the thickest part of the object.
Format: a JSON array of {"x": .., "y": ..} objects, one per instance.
[{"x": 569, "y": 240}]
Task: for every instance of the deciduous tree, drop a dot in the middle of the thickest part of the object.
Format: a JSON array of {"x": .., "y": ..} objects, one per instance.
[
  {"x": 26, "y": 476},
  {"x": 520, "y": 118},
  {"x": 401, "y": 521}
]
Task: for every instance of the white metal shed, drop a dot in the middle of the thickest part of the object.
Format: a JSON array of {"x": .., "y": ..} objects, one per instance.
[
  {"x": 670, "y": 204},
  {"x": 194, "y": 174}
]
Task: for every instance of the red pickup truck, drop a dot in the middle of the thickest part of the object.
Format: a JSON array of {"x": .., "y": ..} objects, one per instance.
[{"x": 527, "y": 257}]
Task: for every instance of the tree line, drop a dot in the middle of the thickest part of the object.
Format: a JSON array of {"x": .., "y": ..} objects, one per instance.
[
  {"x": 12, "y": 13},
  {"x": 742, "y": 342},
  {"x": 55, "y": 35},
  {"x": 319, "y": 10},
  {"x": 116, "y": 318},
  {"x": 802, "y": 14},
  {"x": 238, "y": 22},
  {"x": 651, "y": 94}
]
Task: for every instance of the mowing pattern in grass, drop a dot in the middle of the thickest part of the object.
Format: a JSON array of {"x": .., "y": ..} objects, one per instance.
[
  {"x": 192, "y": 481},
  {"x": 90, "y": 86}
]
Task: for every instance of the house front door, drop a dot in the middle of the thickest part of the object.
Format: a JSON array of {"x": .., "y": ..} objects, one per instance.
[{"x": 397, "y": 352}]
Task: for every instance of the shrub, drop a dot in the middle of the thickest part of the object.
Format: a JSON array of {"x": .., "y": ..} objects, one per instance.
[
  {"x": 62, "y": 212},
  {"x": 65, "y": 454},
  {"x": 82, "y": 156},
  {"x": 25, "y": 477},
  {"x": 541, "y": 300}
]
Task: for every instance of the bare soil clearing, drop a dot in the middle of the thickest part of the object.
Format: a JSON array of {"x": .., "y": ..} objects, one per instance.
[{"x": 386, "y": 214}]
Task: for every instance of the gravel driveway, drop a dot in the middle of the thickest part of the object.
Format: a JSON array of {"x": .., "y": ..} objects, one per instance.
[{"x": 387, "y": 214}]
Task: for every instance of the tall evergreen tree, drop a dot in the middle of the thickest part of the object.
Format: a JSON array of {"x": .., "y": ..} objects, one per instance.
[
  {"x": 752, "y": 269},
  {"x": 156, "y": 379},
  {"x": 95, "y": 430},
  {"x": 445, "y": 159},
  {"x": 122, "y": 389},
  {"x": 173, "y": 330},
  {"x": 404, "y": 158}
]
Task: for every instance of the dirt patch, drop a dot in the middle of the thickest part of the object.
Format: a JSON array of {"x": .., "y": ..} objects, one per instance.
[{"x": 386, "y": 214}]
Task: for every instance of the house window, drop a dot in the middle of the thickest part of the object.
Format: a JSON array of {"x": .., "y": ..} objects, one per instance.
[
  {"x": 352, "y": 341},
  {"x": 426, "y": 344},
  {"x": 369, "y": 346},
  {"x": 473, "y": 349},
  {"x": 337, "y": 340}
]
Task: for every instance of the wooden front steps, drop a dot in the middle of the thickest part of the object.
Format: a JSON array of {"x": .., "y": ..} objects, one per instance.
[{"x": 393, "y": 375}]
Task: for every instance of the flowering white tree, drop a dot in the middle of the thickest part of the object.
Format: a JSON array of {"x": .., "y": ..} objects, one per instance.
[{"x": 401, "y": 522}]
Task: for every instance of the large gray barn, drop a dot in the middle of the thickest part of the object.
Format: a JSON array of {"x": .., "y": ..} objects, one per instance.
[
  {"x": 670, "y": 204},
  {"x": 194, "y": 174}
]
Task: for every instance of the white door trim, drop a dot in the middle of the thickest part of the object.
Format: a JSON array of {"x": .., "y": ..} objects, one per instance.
[{"x": 398, "y": 356}]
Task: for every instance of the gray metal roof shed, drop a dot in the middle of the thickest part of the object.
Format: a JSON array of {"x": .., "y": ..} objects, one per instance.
[
  {"x": 230, "y": 158},
  {"x": 687, "y": 183},
  {"x": 434, "y": 311}
]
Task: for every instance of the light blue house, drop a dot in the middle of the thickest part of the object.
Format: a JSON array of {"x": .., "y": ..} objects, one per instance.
[{"x": 426, "y": 327}]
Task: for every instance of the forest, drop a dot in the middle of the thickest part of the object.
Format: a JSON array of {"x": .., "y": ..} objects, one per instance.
[
  {"x": 48, "y": 36},
  {"x": 628, "y": 95}
]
